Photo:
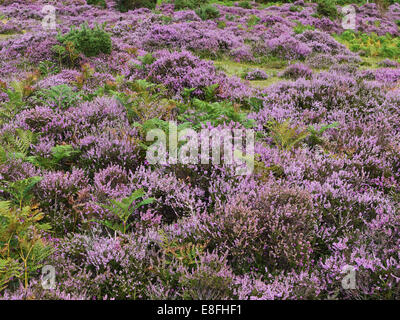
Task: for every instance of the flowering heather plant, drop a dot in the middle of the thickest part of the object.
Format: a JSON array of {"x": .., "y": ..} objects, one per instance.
[
  {"x": 179, "y": 70},
  {"x": 256, "y": 74},
  {"x": 321, "y": 61},
  {"x": 287, "y": 47},
  {"x": 9, "y": 28},
  {"x": 389, "y": 63},
  {"x": 65, "y": 77},
  {"x": 295, "y": 71},
  {"x": 264, "y": 240},
  {"x": 203, "y": 37},
  {"x": 77, "y": 118}
]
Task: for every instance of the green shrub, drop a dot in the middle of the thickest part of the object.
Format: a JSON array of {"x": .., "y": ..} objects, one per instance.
[
  {"x": 215, "y": 113},
  {"x": 22, "y": 247},
  {"x": 188, "y": 4},
  {"x": 60, "y": 96},
  {"x": 245, "y": 5},
  {"x": 372, "y": 45},
  {"x": 208, "y": 12},
  {"x": 327, "y": 8},
  {"x": 221, "y": 24},
  {"x": 123, "y": 210},
  {"x": 284, "y": 135},
  {"x": 253, "y": 20},
  {"x": 47, "y": 68},
  {"x": 295, "y": 8},
  {"x": 91, "y": 42},
  {"x": 66, "y": 53},
  {"x": 100, "y": 3},
  {"x": 300, "y": 28},
  {"x": 125, "y": 5}
]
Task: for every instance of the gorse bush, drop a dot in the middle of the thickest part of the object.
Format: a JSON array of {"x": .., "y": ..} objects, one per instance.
[{"x": 90, "y": 41}]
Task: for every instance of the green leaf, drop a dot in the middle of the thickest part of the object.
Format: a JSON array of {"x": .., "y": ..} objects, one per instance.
[
  {"x": 144, "y": 202},
  {"x": 109, "y": 224},
  {"x": 3, "y": 155}
]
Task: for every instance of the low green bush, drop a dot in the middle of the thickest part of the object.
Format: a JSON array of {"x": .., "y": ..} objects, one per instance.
[
  {"x": 327, "y": 8},
  {"x": 125, "y": 5},
  {"x": 188, "y": 4},
  {"x": 208, "y": 12},
  {"x": 371, "y": 45},
  {"x": 91, "y": 42},
  {"x": 100, "y": 3}
]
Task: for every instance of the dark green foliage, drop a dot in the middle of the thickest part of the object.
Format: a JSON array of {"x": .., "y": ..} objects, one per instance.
[
  {"x": 47, "y": 68},
  {"x": 315, "y": 136},
  {"x": 216, "y": 113},
  {"x": 60, "y": 155},
  {"x": 208, "y": 12},
  {"x": 66, "y": 53},
  {"x": 100, "y": 3},
  {"x": 253, "y": 104},
  {"x": 300, "y": 28},
  {"x": 124, "y": 209},
  {"x": 245, "y": 5},
  {"x": 295, "y": 8},
  {"x": 156, "y": 123},
  {"x": 285, "y": 136},
  {"x": 13, "y": 106},
  {"x": 22, "y": 248},
  {"x": 91, "y": 42},
  {"x": 20, "y": 190},
  {"x": 147, "y": 59},
  {"x": 371, "y": 44},
  {"x": 253, "y": 21},
  {"x": 327, "y": 8},
  {"x": 125, "y": 5},
  {"x": 17, "y": 144},
  {"x": 61, "y": 96},
  {"x": 188, "y": 4}
]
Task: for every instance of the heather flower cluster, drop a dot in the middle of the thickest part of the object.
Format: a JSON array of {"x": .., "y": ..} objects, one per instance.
[
  {"x": 77, "y": 188},
  {"x": 256, "y": 74}
]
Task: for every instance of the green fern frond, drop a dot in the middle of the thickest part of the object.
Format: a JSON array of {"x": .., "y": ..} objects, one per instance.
[
  {"x": 5, "y": 207},
  {"x": 284, "y": 135},
  {"x": 9, "y": 269}
]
